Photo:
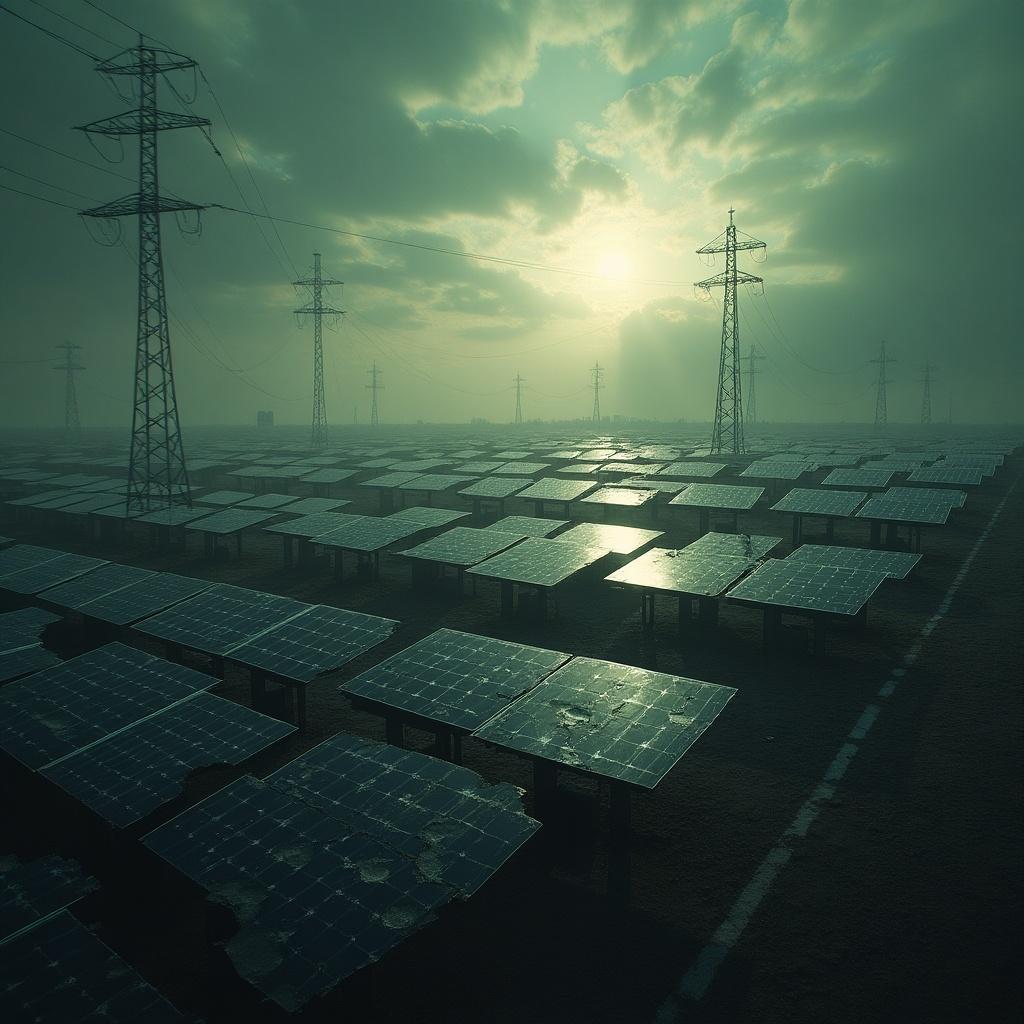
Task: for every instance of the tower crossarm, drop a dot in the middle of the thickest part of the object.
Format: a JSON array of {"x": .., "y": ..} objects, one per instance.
[
  {"x": 312, "y": 308},
  {"x": 324, "y": 282},
  {"x": 129, "y": 123},
  {"x": 740, "y": 277},
  {"x": 129, "y": 205},
  {"x": 161, "y": 61}
]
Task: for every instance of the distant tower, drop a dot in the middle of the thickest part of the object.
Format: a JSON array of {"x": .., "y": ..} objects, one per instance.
[
  {"x": 881, "y": 411},
  {"x": 596, "y": 378},
  {"x": 926, "y": 394},
  {"x": 157, "y": 475},
  {"x": 316, "y": 308},
  {"x": 519, "y": 398},
  {"x": 70, "y": 366},
  {"x": 753, "y": 357},
  {"x": 373, "y": 387},
  {"x": 727, "y": 435}
]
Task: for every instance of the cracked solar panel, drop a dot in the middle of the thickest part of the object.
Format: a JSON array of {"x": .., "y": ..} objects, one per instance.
[
  {"x": 462, "y": 546},
  {"x": 335, "y": 859},
  {"x": 312, "y": 525},
  {"x": 895, "y": 564},
  {"x": 25, "y": 556},
  {"x": 23, "y": 661},
  {"x": 496, "y": 487},
  {"x": 848, "y": 477},
  {"x": 369, "y": 534},
  {"x": 230, "y": 520},
  {"x": 683, "y": 572},
  {"x": 61, "y": 709},
  {"x": 579, "y": 469},
  {"x": 539, "y": 562},
  {"x": 32, "y": 890},
  {"x": 23, "y": 627},
  {"x": 220, "y": 618},
  {"x": 692, "y": 469},
  {"x": 809, "y": 587},
  {"x": 552, "y": 488},
  {"x": 60, "y": 971},
  {"x": 623, "y": 540},
  {"x": 645, "y": 483},
  {"x": 49, "y": 573},
  {"x": 455, "y": 679},
  {"x": 529, "y": 525},
  {"x": 428, "y": 518},
  {"x": 730, "y": 497},
  {"x": 140, "y": 600},
  {"x": 616, "y": 721},
  {"x": 629, "y": 497},
  {"x": 316, "y": 641},
  {"x": 104, "y": 580},
  {"x": 753, "y": 547},
  {"x": 808, "y": 501},
  {"x": 124, "y": 777}
]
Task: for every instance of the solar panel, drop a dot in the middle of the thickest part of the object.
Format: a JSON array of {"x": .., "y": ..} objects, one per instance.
[
  {"x": 597, "y": 454},
  {"x": 936, "y": 495},
  {"x": 312, "y": 525},
  {"x": 623, "y": 540},
  {"x": 462, "y": 546},
  {"x": 428, "y": 517},
  {"x": 24, "y": 626},
  {"x": 529, "y": 525},
  {"x": 369, "y": 534},
  {"x": 60, "y": 971},
  {"x": 24, "y": 556},
  {"x": 455, "y": 679},
  {"x": 895, "y": 564},
  {"x": 434, "y": 482},
  {"x": 315, "y": 506},
  {"x": 23, "y": 661},
  {"x": 32, "y": 890},
  {"x": 738, "y": 497},
  {"x": 104, "y": 580},
  {"x": 579, "y": 469},
  {"x": 818, "y": 588},
  {"x": 328, "y": 476},
  {"x": 93, "y": 503},
  {"x": 701, "y": 574},
  {"x": 900, "y": 509},
  {"x": 963, "y": 476},
  {"x": 336, "y": 858},
  {"x": 230, "y": 520},
  {"x": 49, "y": 573},
  {"x": 224, "y": 497},
  {"x": 650, "y": 483},
  {"x": 220, "y": 618},
  {"x": 54, "y": 712},
  {"x": 628, "y": 468},
  {"x": 139, "y": 600},
  {"x": 389, "y": 480},
  {"x": 695, "y": 470},
  {"x": 615, "y": 721},
  {"x": 858, "y": 478},
  {"x": 770, "y": 469},
  {"x": 539, "y": 562},
  {"x": 419, "y": 465},
  {"x": 630, "y": 497},
  {"x": 478, "y": 468},
  {"x": 521, "y": 468},
  {"x": 268, "y": 500},
  {"x": 318, "y": 640},
  {"x": 752, "y": 547},
  {"x": 124, "y": 777},
  {"x": 552, "y": 488},
  {"x": 496, "y": 487},
  {"x": 176, "y": 515},
  {"x": 808, "y": 501}
]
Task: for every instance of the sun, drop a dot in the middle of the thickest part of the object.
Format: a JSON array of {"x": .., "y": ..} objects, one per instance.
[{"x": 613, "y": 263}]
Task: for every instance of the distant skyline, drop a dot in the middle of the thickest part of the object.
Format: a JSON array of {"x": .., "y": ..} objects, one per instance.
[{"x": 874, "y": 146}]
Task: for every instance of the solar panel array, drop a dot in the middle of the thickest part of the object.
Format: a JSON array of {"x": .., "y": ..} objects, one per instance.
[
  {"x": 48, "y": 573},
  {"x": 808, "y": 586},
  {"x": 312, "y": 525},
  {"x": 552, "y": 488},
  {"x": 849, "y": 477},
  {"x": 25, "y": 660},
  {"x": 693, "y": 470},
  {"x": 462, "y": 546},
  {"x": 961, "y": 476},
  {"x": 808, "y": 501},
  {"x": 496, "y": 487},
  {"x": 230, "y": 520},
  {"x": 539, "y": 562},
  {"x": 369, "y": 534},
  {"x": 104, "y": 580},
  {"x": 428, "y": 518},
  {"x": 23, "y": 627},
  {"x": 32, "y": 890},
  {"x": 627, "y": 497},
  {"x": 702, "y": 574},
  {"x": 731, "y": 497},
  {"x": 139, "y": 600},
  {"x": 531, "y": 526},
  {"x": 752, "y": 547},
  {"x": 895, "y": 564},
  {"x": 622, "y": 540}
]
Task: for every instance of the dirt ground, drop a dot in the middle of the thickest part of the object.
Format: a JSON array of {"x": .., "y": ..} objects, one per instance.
[{"x": 902, "y": 903}]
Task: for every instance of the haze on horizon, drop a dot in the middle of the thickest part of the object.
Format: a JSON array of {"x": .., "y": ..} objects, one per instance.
[{"x": 874, "y": 146}]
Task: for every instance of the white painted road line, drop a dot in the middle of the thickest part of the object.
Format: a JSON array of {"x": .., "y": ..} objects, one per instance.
[{"x": 696, "y": 981}]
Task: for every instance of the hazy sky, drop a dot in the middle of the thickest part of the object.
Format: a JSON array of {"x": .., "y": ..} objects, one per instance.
[{"x": 874, "y": 145}]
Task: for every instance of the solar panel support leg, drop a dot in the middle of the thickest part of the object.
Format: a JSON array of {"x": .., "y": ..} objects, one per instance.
[
  {"x": 798, "y": 529},
  {"x": 647, "y": 611}
]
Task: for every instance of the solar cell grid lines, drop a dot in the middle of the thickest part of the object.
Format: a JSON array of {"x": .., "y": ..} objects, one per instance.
[
  {"x": 389, "y": 480},
  {"x": 752, "y": 547},
  {"x": 463, "y": 546},
  {"x": 809, "y": 587},
  {"x": 616, "y": 721},
  {"x": 738, "y": 497},
  {"x": 32, "y": 890},
  {"x": 478, "y": 467},
  {"x": 93, "y": 503},
  {"x": 809, "y": 501},
  {"x": 224, "y": 497},
  {"x": 455, "y": 679},
  {"x": 176, "y": 515},
  {"x": 771, "y": 469},
  {"x": 312, "y": 525},
  {"x": 579, "y": 469},
  {"x": 623, "y": 540},
  {"x": 54, "y": 712},
  {"x": 628, "y": 497},
  {"x": 317, "y": 640},
  {"x": 328, "y": 476},
  {"x": 268, "y": 500},
  {"x": 419, "y": 465},
  {"x": 629, "y": 468},
  {"x": 24, "y": 661},
  {"x": 531, "y": 526},
  {"x": 896, "y": 564},
  {"x": 102, "y": 580},
  {"x": 963, "y": 476},
  {"x": 434, "y": 482},
  {"x": 851, "y": 477},
  {"x": 936, "y": 495},
  {"x": 554, "y": 489},
  {"x": 521, "y": 468},
  {"x": 139, "y": 600},
  {"x": 220, "y": 618},
  {"x": 496, "y": 487},
  {"x": 900, "y": 509},
  {"x": 126, "y": 776},
  {"x": 650, "y": 483},
  {"x": 60, "y": 971},
  {"x": 23, "y": 556},
  {"x": 49, "y": 573},
  {"x": 428, "y": 517},
  {"x": 700, "y": 574},
  {"x": 230, "y": 520},
  {"x": 369, "y": 534},
  {"x": 24, "y": 626},
  {"x": 693, "y": 470},
  {"x": 539, "y": 562},
  {"x": 314, "y": 506}
]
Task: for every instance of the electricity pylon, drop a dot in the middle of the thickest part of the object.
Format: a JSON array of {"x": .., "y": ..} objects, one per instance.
[
  {"x": 316, "y": 308},
  {"x": 753, "y": 357},
  {"x": 72, "y": 424},
  {"x": 727, "y": 434},
  {"x": 519, "y": 398},
  {"x": 157, "y": 475},
  {"x": 926, "y": 394},
  {"x": 373, "y": 388},
  {"x": 881, "y": 410},
  {"x": 597, "y": 376}
]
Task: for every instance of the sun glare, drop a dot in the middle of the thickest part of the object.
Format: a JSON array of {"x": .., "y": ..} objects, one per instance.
[{"x": 613, "y": 263}]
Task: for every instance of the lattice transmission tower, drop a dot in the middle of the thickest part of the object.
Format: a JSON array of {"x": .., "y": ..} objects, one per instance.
[
  {"x": 881, "y": 409},
  {"x": 157, "y": 475},
  {"x": 70, "y": 366},
  {"x": 317, "y": 310},
  {"x": 926, "y": 393},
  {"x": 727, "y": 434},
  {"x": 752, "y": 358},
  {"x": 597, "y": 383},
  {"x": 373, "y": 387},
  {"x": 519, "y": 398}
]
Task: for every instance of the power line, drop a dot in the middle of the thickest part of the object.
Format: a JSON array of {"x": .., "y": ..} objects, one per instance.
[
  {"x": 67, "y": 156},
  {"x": 71, "y": 21},
  {"x": 41, "y": 199},
  {"x": 46, "y": 184},
  {"x": 55, "y": 36}
]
